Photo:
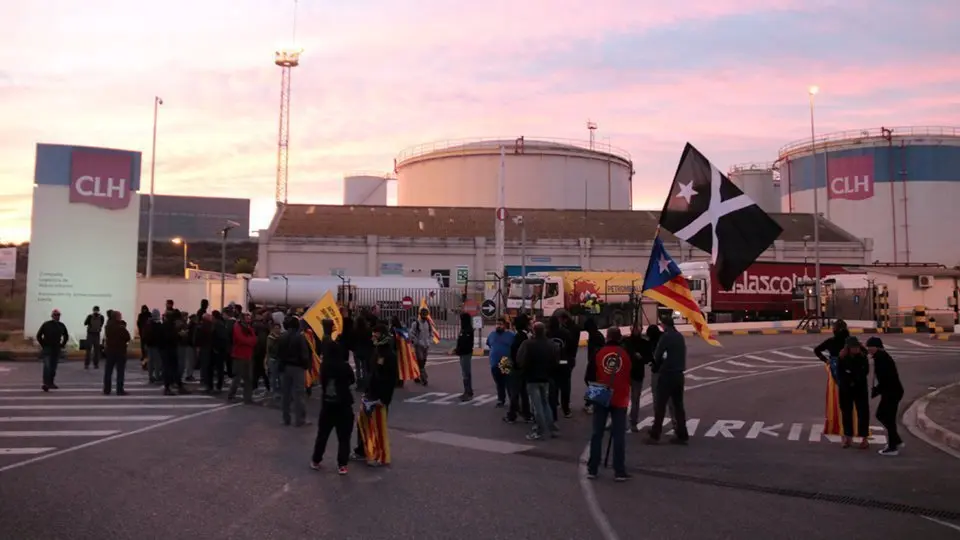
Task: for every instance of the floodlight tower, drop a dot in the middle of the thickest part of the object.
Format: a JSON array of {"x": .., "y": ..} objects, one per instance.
[{"x": 287, "y": 58}]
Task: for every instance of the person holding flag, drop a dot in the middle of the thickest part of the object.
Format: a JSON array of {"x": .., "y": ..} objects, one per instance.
[
  {"x": 664, "y": 282},
  {"x": 422, "y": 332}
]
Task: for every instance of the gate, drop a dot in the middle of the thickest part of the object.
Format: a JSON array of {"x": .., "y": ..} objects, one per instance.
[
  {"x": 444, "y": 305},
  {"x": 850, "y": 304}
]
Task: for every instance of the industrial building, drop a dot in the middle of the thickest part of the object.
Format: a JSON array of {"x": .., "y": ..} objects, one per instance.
[
  {"x": 537, "y": 173},
  {"x": 898, "y": 186},
  {"x": 194, "y": 219},
  {"x": 459, "y": 241}
]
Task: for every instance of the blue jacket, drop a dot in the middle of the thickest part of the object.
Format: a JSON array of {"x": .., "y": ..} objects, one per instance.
[{"x": 499, "y": 346}]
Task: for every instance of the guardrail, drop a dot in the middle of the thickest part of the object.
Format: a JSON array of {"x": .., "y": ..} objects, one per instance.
[
  {"x": 508, "y": 143},
  {"x": 758, "y": 166},
  {"x": 854, "y": 134}
]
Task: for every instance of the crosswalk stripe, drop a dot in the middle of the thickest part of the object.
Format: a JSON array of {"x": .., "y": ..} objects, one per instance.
[
  {"x": 134, "y": 418},
  {"x": 919, "y": 343},
  {"x": 743, "y": 364},
  {"x": 693, "y": 377},
  {"x": 24, "y": 451},
  {"x": 57, "y": 397},
  {"x": 66, "y": 433},
  {"x": 119, "y": 406},
  {"x": 788, "y": 355},
  {"x": 720, "y": 370}
]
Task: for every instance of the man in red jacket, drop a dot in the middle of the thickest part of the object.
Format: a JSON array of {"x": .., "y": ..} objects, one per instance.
[
  {"x": 244, "y": 341},
  {"x": 613, "y": 371}
]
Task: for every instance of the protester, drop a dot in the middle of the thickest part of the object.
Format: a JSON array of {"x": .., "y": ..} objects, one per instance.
[
  {"x": 852, "y": 370},
  {"x": 219, "y": 352},
  {"x": 422, "y": 335},
  {"x": 538, "y": 358},
  {"x": 203, "y": 341},
  {"x": 360, "y": 340},
  {"x": 516, "y": 380},
  {"x": 384, "y": 374},
  {"x": 336, "y": 406},
  {"x": 499, "y": 342},
  {"x": 641, "y": 348},
  {"x": 887, "y": 385},
  {"x": 613, "y": 373},
  {"x": 294, "y": 359},
  {"x": 464, "y": 350},
  {"x": 273, "y": 363},
  {"x": 154, "y": 339},
  {"x": 595, "y": 342},
  {"x": 568, "y": 360},
  {"x": 242, "y": 344},
  {"x": 116, "y": 339},
  {"x": 559, "y": 336},
  {"x": 186, "y": 351},
  {"x": 94, "y": 324},
  {"x": 52, "y": 337},
  {"x": 169, "y": 349},
  {"x": 143, "y": 319},
  {"x": 833, "y": 345},
  {"x": 669, "y": 363}
]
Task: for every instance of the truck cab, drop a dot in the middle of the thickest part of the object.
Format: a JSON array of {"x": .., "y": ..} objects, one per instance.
[
  {"x": 544, "y": 294},
  {"x": 698, "y": 277}
]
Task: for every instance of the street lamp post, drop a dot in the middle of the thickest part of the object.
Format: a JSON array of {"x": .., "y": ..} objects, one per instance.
[
  {"x": 523, "y": 264},
  {"x": 223, "y": 260},
  {"x": 178, "y": 241},
  {"x": 813, "y": 91},
  {"x": 157, "y": 102}
]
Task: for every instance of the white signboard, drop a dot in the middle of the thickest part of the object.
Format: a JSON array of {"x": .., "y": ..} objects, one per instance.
[
  {"x": 8, "y": 263},
  {"x": 478, "y": 323}
]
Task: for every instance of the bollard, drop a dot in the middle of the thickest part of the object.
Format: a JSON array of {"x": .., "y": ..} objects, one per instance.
[{"x": 920, "y": 318}]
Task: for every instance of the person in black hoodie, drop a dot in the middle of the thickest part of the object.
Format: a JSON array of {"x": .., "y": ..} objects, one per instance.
[
  {"x": 517, "y": 381},
  {"x": 559, "y": 336},
  {"x": 641, "y": 350},
  {"x": 360, "y": 340},
  {"x": 52, "y": 337},
  {"x": 295, "y": 358},
  {"x": 143, "y": 319},
  {"x": 887, "y": 385},
  {"x": 833, "y": 345},
  {"x": 852, "y": 370},
  {"x": 464, "y": 350},
  {"x": 595, "y": 342},
  {"x": 568, "y": 360},
  {"x": 336, "y": 407},
  {"x": 384, "y": 374},
  {"x": 169, "y": 347}
]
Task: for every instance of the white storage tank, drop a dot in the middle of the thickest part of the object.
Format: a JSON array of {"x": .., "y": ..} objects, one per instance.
[
  {"x": 760, "y": 182},
  {"x": 365, "y": 189},
  {"x": 539, "y": 173}
]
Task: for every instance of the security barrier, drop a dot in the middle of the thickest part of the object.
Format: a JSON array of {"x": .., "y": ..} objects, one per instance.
[
  {"x": 920, "y": 318},
  {"x": 881, "y": 307}
]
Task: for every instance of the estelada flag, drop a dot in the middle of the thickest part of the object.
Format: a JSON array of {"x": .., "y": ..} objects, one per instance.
[
  {"x": 433, "y": 327},
  {"x": 833, "y": 423},
  {"x": 372, "y": 425},
  {"x": 312, "y": 377},
  {"x": 406, "y": 357},
  {"x": 664, "y": 282}
]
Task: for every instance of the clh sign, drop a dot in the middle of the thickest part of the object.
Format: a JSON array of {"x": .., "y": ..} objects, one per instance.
[
  {"x": 850, "y": 178},
  {"x": 101, "y": 178}
]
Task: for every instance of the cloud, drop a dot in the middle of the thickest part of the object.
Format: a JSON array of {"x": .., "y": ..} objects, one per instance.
[{"x": 380, "y": 75}]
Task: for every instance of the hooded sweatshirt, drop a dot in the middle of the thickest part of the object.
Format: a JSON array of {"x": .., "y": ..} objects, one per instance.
[
  {"x": 832, "y": 345},
  {"x": 465, "y": 339}
]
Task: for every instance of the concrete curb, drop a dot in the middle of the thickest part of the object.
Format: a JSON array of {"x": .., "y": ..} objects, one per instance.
[
  {"x": 920, "y": 425},
  {"x": 947, "y": 336}
]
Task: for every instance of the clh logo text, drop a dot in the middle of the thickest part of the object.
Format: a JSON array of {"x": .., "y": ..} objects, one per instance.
[
  {"x": 850, "y": 178},
  {"x": 101, "y": 179}
]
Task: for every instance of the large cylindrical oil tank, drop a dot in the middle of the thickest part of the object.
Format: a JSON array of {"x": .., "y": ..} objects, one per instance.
[
  {"x": 760, "y": 182},
  {"x": 365, "y": 189},
  {"x": 899, "y": 186},
  {"x": 538, "y": 173}
]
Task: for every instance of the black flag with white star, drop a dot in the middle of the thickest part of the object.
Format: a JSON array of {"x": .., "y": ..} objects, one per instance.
[{"x": 708, "y": 211}]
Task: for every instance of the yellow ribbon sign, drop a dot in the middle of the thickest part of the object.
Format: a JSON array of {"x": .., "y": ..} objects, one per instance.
[{"x": 324, "y": 308}]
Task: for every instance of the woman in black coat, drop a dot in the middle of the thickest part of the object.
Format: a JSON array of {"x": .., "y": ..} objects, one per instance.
[{"x": 464, "y": 350}]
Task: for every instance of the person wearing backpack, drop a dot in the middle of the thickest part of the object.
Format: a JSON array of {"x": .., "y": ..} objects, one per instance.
[
  {"x": 295, "y": 358},
  {"x": 94, "y": 323},
  {"x": 336, "y": 407},
  {"x": 613, "y": 373}
]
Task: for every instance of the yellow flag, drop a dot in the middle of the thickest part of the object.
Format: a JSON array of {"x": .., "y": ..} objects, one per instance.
[{"x": 324, "y": 308}]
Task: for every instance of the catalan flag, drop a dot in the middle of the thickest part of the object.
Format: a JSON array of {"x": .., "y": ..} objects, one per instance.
[
  {"x": 406, "y": 357},
  {"x": 372, "y": 425},
  {"x": 833, "y": 423},
  {"x": 313, "y": 374},
  {"x": 665, "y": 283},
  {"x": 433, "y": 327}
]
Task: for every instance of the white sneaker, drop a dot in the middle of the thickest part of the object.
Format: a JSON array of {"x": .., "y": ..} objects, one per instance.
[{"x": 889, "y": 452}]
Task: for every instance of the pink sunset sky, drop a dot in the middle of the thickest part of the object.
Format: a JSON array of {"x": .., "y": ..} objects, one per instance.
[{"x": 730, "y": 76}]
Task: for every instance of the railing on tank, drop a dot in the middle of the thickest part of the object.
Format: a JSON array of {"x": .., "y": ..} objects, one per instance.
[
  {"x": 758, "y": 166},
  {"x": 373, "y": 174},
  {"x": 830, "y": 139},
  {"x": 508, "y": 143}
]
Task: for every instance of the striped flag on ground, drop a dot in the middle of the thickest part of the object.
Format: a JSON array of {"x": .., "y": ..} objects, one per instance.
[
  {"x": 406, "y": 357},
  {"x": 312, "y": 377},
  {"x": 372, "y": 425}
]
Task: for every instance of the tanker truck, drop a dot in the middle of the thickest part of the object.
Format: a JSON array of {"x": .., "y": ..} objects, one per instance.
[
  {"x": 611, "y": 298},
  {"x": 302, "y": 291}
]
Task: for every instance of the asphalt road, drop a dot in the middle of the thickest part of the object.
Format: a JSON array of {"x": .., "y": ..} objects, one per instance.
[{"x": 195, "y": 467}]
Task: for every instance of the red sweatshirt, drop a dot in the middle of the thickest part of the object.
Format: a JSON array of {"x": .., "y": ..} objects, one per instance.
[
  {"x": 244, "y": 341},
  {"x": 614, "y": 359}
]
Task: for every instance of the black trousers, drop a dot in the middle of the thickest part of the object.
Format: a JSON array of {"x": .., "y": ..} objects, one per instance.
[
  {"x": 560, "y": 389},
  {"x": 669, "y": 390},
  {"x": 519, "y": 399},
  {"x": 214, "y": 368},
  {"x": 850, "y": 397},
  {"x": 118, "y": 362},
  {"x": 887, "y": 415},
  {"x": 171, "y": 371},
  {"x": 339, "y": 418}
]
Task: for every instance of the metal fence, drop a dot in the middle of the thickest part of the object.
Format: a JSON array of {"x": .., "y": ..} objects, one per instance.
[
  {"x": 404, "y": 304},
  {"x": 850, "y": 304}
]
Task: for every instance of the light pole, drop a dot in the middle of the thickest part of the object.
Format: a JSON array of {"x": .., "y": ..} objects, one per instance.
[
  {"x": 178, "y": 241},
  {"x": 157, "y": 102},
  {"x": 806, "y": 238},
  {"x": 223, "y": 260},
  {"x": 523, "y": 263},
  {"x": 814, "y": 90}
]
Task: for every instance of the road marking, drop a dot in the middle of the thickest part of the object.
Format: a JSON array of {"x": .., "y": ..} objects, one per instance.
[
  {"x": 66, "y": 390},
  {"x": 23, "y": 452},
  {"x": 446, "y": 398},
  {"x": 142, "y": 418},
  {"x": 723, "y": 427},
  {"x": 116, "y": 437},
  {"x": 66, "y": 433},
  {"x": 919, "y": 343},
  {"x": 788, "y": 355},
  {"x": 693, "y": 377},
  {"x": 757, "y": 428},
  {"x": 944, "y": 523},
  {"x": 59, "y": 397},
  {"x": 743, "y": 364},
  {"x": 721, "y": 370},
  {"x": 473, "y": 443},
  {"x": 734, "y": 429},
  {"x": 85, "y": 407}
]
